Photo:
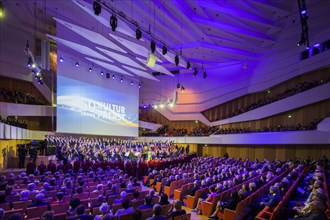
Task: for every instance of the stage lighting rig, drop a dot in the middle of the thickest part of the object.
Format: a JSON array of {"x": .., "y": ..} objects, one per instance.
[
  {"x": 188, "y": 65},
  {"x": 164, "y": 50},
  {"x": 97, "y": 7},
  {"x": 304, "y": 39},
  {"x": 138, "y": 34},
  {"x": 176, "y": 59},
  {"x": 113, "y": 22},
  {"x": 204, "y": 75},
  {"x": 195, "y": 72},
  {"x": 152, "y": 46}
]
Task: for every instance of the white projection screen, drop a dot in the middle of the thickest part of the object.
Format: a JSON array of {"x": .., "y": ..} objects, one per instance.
[{"x": 88, "y": 103}]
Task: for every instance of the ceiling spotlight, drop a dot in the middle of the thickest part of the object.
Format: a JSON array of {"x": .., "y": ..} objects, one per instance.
[
  {"x": 307, "y": 47},
  {"x": 303, "y": 12},
  {"x": 77, "y": 64},
  {"x": 131, "y": 83},
  {"x": 176, "y": 60},
  {"x": 113, "y": 77},
  {"x": 107, "y": 75},
  {"x": 144, "y": 106},
  {"x": 138, "y": 34},
  {"x": 171, "y": 104},
  {"x": 121, "y": 80},
  {"x": 113, "y": 22},
  {"x": 33, "y": 65},
  {"x": 156, "y": 106},
  {"x": 97, "y": 8},
  {"x": 195, "y": 72},
  {"x": 30, "y": 62},
  {"x": 178, "y": 86},
  {"x": 188, "y": 65},
  {"x": 164, "y": 50},
  {"x": 182, "y": 89},
  {"x": 90, "y": 69},
  {"x": 204, "y": 75},
  {"x": 302, "y": 40},
  {"x": 161, "y": 105},
  {"x": 139, "y": 86},
  {"x": 102, "y": 73},
  {"x": 152, "y": 46},
  {"x": 61, "y": 60}
]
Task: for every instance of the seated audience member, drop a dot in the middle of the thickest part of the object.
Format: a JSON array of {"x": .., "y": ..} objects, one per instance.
[
  {"x": 42, "y": 167},
  {"x": 114, "y": 191},
  {"x": 126, "y": 208},
  {"x": 123, "y": 196},
  {"x": 39, "y": 201},
  {"x": 81, "y": 215},
  {"x": 99, "y": 202},
  {"x": 316, "y": 212},
  {"x": 164, "y": 200},
  {"x": 25, "y": 194},
  {"x": 104, "y": 209},
  {"x": 59, "y": 198},
  {"x": 3, "y": 199},
  {"x": 157, "y": 209},
  {"x": 135, "y": 182},
  {"x": 49, "y": 215},
  {"x": 99, "y": 189},
  {"x": 16, "y": 216},
  {"x": 136, "y": 195},
  {"x": 195, "y": 188},
  {"x": 74, "y": 203},
  {"x": 208, "y": 199},
  {"x": 2, "y": 213},
  {"x": 230, "y": 203},
  {"x": 177, "y": 205},
  {"x": 152, "y": 194},
  {"x": 148, "y": 203},
  {"x": 273, "y": 199},
  {"x": 130, "y": 188}
]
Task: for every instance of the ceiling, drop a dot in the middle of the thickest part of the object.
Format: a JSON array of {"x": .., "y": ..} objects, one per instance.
[{"x": 210, "y": 34}]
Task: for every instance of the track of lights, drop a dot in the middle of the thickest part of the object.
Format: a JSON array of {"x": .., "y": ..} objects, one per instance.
[
  {"x": 304, "y": 38},
  {"x": 31, "y": 63}
]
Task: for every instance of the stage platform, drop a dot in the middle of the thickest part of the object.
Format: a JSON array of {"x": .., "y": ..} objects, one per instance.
[{"x": 13, "y": 161}]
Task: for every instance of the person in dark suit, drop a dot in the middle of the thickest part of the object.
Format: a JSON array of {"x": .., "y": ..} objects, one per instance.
[
  {"x": 33, "y": 153},
  {"x": 38, "y": 201},
  {"x": 195, "y": 188},
  {"x": 30, "y": 167},
  {"x": 51, "y": 167},
  {"x": 81, "y": 215},
  {"x": 157, "y": 209},
  {"x": 42, "y": 167},
  {"x": 230, "y": 203},
  {"x": 177, "y": 205},
  {"x": 22, "y": 151},
  {"x": 147, "y": 204},
  {"x": 273, "y": 199},
  {"x": 316, "y": 212}
]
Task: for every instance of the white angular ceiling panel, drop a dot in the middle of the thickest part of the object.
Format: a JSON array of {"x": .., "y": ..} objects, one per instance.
[
  {"x": 140, "y": 73},
  {"x": 109, "y": 67}
]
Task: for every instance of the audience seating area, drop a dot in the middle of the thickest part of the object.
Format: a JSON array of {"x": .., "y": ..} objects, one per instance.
[
  {"x": 19, "y": 97},
  {"x": 265, "y": 189}
]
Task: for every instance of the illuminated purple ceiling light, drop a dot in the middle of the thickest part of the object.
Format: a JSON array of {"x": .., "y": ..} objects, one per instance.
[
  {"x": 303, "y": 12},
  {"x": 102, "y": 73},
  {"x": 121, "y": 80},
  {"x": 113, "y": 77},
  {"x": 61, "y": 60},
  {"x": 77, "y": 64},
  {"x": 317, "y": 45},
  {"x": 90, "y": 69},
  {"x": 144, "y": 106}
]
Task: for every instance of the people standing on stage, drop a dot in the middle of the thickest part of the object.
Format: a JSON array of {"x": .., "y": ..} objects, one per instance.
[
  {"x": 22, "y": 151},
  {"x": 33, "y": 153}
]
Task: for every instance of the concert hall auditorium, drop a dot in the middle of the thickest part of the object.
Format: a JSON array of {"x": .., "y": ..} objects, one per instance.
[{"x": 164, "y": 109}]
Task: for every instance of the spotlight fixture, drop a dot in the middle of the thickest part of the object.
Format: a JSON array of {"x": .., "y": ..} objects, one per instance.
[
  {"x": 176, "y": 59},
  {"x": 90, "y": 69},
  {"x": 152, "y": 46},
  {"x": 178, "y": 86},
  {"x": 107, "y": 75},
  {"x": 33, "y": 65},
  {"x": 188, "y": 65},
  {"x": 113, "y": 22},
  {"x": 138, "y": 34},
  {"x": 131, "y": 83},
  {"x": 102, "y": 73},
  {"x": 302, "y": 40},
  {"x": 171, "y": 104},
  {"x": 161, "y": 105},
  {"x": 139, "y": 86},
  {"x": 77, "y": 64},
  {"x": 182, "y": 89},
  {"x": 204, "y": 75},
  {"x": 164, "y": 50},
  {"x": 121, "y": 80},
  {"x": 156, "y": 106},
  {"x": 2, "y": 10},
  {"x": 113, "y": 77},
  {"x": 195, "y": 72},
  {"x": 144, "y": 106},
  {"x": 61, "y": 60},
  {"x": 30, "y": 62},
  {"x": 97, "y": 8}
]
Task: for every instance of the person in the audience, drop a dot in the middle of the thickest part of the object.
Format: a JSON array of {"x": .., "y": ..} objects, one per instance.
[
  {"x": 51, "y": 167},
  {"x": 157, "y": 209},
  {"x": 59, "y": 198},
  {"x": 123, "y": 196},
  {"x": 30, "y": 167},
  {"x": 135, "y": 182},
  {"x": 48, "y": 215},
  {"x": 130, "y": 188},
  {"x": 273, "y": 199},
  {"x": 3, "y": 200},
  {"x": 195, "y": 187},
  {"x": 104, "y": 209},
  {"x": 163, "y": 199},
  {"x": 148, "y": 203},
  {"x": 136, "y": 195},
  {"x": 16, "y": 216},
  {"x": 42, "y": 167},
  {"x": 126, "y": 208},
  {"x": 2, "y": 213},
  {"x": 38, "y": 201},
  {"x": 74, "y": 203},
  {"x": 316, "y": 212},
  {"x": 81, "y": 215},
  {"x": 100, "y": 200},
  {"x": 176, "y": 209}
]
